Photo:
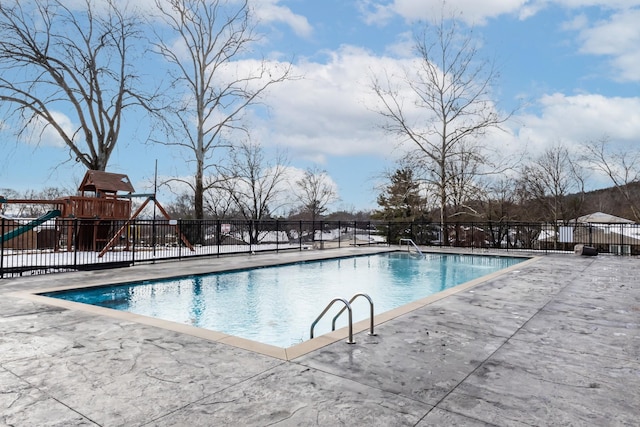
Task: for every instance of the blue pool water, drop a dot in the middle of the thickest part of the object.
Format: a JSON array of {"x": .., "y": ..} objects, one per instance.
[{"x": 276, "y": 305}]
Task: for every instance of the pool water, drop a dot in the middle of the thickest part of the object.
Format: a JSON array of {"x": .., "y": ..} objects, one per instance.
[{"x": 277, "y": 305}]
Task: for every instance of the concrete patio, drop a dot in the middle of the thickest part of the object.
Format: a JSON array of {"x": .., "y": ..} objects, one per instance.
[{"x": 556, "y": 342}]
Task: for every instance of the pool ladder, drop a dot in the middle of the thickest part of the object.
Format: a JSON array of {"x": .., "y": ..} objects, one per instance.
[
  {"x": 347, "y": 306},
  {"x": 409, "y": 241}
]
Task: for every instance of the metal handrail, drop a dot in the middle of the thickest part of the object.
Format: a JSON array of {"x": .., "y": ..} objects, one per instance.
[
  {"x": 333, "y": 323},
  {"x": 414, "y": 245},
  {"x": 348, "y": 307}
]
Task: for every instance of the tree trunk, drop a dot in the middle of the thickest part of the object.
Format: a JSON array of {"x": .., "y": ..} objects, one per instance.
[{"x": 198, "y": 200}]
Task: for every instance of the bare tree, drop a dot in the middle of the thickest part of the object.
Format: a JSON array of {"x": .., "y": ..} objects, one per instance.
[
  {"x": 217, "y": 203},
  {"x": 315, "y": 192},
  {"x": 181, "y": 207},
  {"x": 549, "y": 179},
  {"x": 211, "y": 35},
  {"x": 254, "y": 184},
  {"x": 499, "y": 202},
  {"x": 57, "y": 63},
  {"x": 31, "y": 210},
  {"x": 465, "y": 186},
  {"x": 622, "y": 167},
  {"x": 442, "y": 106}
]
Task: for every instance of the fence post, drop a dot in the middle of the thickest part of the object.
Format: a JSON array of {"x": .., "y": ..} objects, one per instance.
[
  {"x": 153, "y": 238},
  {"x": 621, "y": 239},
  {"x": 473, "y": 240},
  {"x": 300, "y": 235},
  {"x": 546, "y": 247},
  {"x": 389, "y": 232},
  {"x": 1, "y": 248},
  {"x": 218, "y": 236},
  {"x": 74, "y": 239},
  {"x": 179, "y": 241},
  {"x": 133, "y": 227}
]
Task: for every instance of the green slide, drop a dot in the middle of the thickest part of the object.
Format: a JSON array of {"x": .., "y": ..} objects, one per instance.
[{"x": 30, "y": 225}]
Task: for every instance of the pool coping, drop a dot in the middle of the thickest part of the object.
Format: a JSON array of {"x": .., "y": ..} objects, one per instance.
[{"x": 285, "y": 354}]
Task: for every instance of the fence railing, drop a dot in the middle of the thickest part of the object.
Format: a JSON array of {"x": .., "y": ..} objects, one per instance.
[{"x": 35, "y": 247}]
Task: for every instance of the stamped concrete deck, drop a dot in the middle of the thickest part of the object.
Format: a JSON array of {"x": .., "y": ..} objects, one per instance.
[{"x": 556, "y": 342}]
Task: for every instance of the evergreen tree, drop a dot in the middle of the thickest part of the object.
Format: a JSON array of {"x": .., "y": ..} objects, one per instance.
[
  {"x": 401, "y": 203},
  {"x": 401, "y": 199}
]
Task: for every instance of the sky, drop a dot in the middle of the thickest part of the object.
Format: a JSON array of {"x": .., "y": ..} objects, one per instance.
[{"x": 569, "y": 72}]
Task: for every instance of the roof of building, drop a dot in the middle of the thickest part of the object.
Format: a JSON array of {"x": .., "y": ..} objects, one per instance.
[
  {"x": 105, "y": 182},
  {"x": 603, "y": 218}
]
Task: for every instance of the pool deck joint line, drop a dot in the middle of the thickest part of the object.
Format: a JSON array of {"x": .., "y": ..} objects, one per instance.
[{"x": 551, "y": 341}]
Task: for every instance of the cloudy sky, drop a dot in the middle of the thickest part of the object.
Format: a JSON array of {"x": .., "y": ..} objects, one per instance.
[{"x": 570, "y": 67}]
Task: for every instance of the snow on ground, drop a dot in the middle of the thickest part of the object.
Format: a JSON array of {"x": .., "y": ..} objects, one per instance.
[{"x": 11, "y": 259}]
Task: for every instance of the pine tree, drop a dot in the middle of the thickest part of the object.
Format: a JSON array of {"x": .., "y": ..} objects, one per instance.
[{"x": 401, "y": 199}]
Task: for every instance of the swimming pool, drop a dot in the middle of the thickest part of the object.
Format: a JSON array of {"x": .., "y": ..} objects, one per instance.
[{"x": 276, "y": 305}]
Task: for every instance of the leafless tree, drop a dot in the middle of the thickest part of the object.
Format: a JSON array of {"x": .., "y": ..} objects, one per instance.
[
  {"x": 217, "y": 203},
  {"x": 315, "y": 192},
  {"x": 622, "y": 167},
  {"x": 181, "y": 207},
  {"x": 70, "y": 71},
  {"x": 500, "y": 201},
  {"x": 254, "y": 184},
  {"x": 208, "y": 38},
  {"x": 8, "y": 194},
  {"x": 442, "y": 106},
  {"x": 31, "y": 210},
  {"x": 549, "y": 179},
  {"x": 465, "y": 186}
]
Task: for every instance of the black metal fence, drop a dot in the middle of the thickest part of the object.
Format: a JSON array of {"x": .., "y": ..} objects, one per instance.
[{"x": 33, "y": 247}]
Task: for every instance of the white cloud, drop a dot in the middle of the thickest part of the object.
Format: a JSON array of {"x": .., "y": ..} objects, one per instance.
[
  {"x": 38, "y": 132},
  {"x": 617, "y": 37},
  {"x": 577, "y": 23},
  {"x": 266, "y": 11},
  {"x": 473, "y": 11},
  {"x": 577, "y": 4},
  {"x": 581, "y": 118},
  {"x": 269, "y": 11},
  {"x": 325, "y": 113},
  {"x": 329, "y": 113}
]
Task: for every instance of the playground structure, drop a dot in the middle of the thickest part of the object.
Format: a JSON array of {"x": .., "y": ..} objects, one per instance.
[{"x": 102, "y": 211}]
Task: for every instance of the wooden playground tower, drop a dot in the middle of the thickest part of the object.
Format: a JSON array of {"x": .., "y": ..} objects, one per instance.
[{"x": 102, "y": 210}]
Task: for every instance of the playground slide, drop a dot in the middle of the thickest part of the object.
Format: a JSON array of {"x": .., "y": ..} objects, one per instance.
[{"x": 30, "y": 225}]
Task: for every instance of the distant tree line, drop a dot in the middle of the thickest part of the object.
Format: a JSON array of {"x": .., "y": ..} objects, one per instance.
[{"x": 548, "y": 188}]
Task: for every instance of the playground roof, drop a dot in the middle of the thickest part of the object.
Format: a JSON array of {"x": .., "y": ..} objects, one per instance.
[{"x": 105, "y": 182}]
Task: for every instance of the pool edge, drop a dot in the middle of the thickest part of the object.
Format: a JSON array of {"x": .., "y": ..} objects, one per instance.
[{"x": 287, "y": 354}]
